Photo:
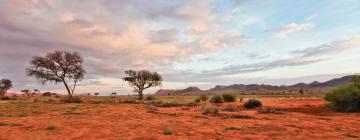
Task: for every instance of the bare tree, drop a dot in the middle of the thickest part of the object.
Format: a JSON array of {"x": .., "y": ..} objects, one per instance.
[
  {"x": 58, "y": 67},
  {"x": 5, "y": 84},
  {"x": 142, "y": 79}
]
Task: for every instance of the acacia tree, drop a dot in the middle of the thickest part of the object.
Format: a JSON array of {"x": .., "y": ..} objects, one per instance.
[
  {"x": 58, "y": 67},
  {"x": 5, "y": 84},
  {"x": 142, "y": 79}
]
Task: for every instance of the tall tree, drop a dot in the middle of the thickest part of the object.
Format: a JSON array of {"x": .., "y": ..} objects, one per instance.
[
  {"x": 5, "y": 84},
  {"x": 58, "y": 67},
  {"x": 142, "y": 79}
]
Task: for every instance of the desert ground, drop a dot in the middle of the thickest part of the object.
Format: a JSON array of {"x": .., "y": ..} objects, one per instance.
[{"x": 43, "y": 118}]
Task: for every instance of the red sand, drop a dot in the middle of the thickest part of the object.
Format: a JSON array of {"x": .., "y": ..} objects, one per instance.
[{"x": 301, "y": 119}]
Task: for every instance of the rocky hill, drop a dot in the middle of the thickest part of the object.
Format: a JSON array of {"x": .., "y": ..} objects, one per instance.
[{"x": 240, "y": 88}]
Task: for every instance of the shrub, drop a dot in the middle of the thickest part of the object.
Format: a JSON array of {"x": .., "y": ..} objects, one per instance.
[
  {"x": 252, "y": 103},
  {"x": 51, "y": 127},
  {"x": 74, "y": 99},
  {"x": 5, "y": 98},
  {"x": 197, "y": 100},
  {"x": 167, "y": 132},
  {"x": 228, "y": 97},
  {"x": 150, "y": 97},
  {"x": 344, "y": 99},
  {"x": 47, "y": 94},
  {"x": 203, "y": 97},
  {"x": 210, "y": 110},
  {"x": 217, "y": 99}
]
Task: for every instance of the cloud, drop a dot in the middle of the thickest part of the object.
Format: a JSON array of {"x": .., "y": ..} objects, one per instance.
[
  {"x": 111, "y": 35},
  {"x": 332, "y": 48},
  {"x": 291, "y": 28}
]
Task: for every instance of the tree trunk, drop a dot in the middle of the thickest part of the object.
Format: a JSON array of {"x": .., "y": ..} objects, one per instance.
[
  {"x": 140, "y": 95},
  {"x": 68, "y": 89}
]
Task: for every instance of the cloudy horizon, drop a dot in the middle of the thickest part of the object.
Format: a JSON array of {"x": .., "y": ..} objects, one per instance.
[{"x": 191, "y": 43}]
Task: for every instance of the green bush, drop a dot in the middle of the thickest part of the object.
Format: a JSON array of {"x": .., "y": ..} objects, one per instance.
[
  {"x": 252, "y": 103},
  {"x": 217, "y": 99},
  {"x": 345, "y": 99},
  {"x": 203, "y": 97},
  {"x": 47, "y": 94},
  {"x": 228, "y": 97},
  {"x": 167, "y": 132},
  {"x": 197, "y": 100},
  {"x": 210, "y": 110}
]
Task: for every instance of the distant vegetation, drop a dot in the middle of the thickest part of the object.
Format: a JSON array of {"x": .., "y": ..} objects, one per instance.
[
  {"x": 228, "y": 97},
  {"x": 217, "y": 99},
  {"x": 5, "y": 84},
  {"x": 346, "y": 98}
]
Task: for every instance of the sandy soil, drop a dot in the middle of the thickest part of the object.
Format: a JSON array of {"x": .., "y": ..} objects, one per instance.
[{"x": 300, "y": 119}]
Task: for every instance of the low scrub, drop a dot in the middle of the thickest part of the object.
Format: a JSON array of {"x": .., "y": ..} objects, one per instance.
[
  {"x": 217, "y": 99},
  {"x": 228, "y": 97},
  {"x": 5, "y": 98},
  {"x": 252, "y": 103},
  {"x": 345, "y": 99},
  {"x": 150, "y": 97},
  {"x": 203, "y": 97},
  {"x": 74, "y": 99},
  {"x": 231, "y": 108},
  {"x": 169, "y": 104},
  {"x": 209, "y": 110},
  {"x": 269, "y": 111}
]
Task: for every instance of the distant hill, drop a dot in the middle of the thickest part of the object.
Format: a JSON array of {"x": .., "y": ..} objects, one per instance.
[
  {"x": 187, "y": 91},
  {"x": 241, "y": 88}
]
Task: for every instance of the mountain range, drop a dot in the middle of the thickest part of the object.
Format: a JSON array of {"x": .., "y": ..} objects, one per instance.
[{"x": 256, "y": 88}]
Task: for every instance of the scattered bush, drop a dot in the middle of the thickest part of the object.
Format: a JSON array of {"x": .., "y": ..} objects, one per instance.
[
  {"x": 51, "y": 127},
  {"x": 237, "y": 116},
  {"x": 74, "y": 99},
  {"x": 151, "y": 108},
  {"x": 203, "y": 97},
  {"x": 130, "y": 101},
  {"x": 169, "y": 104},
  {"x": 197, "y": 100},
  {"x": 191, "y": 104},
  {"x": 167, "y": 132},
  {"x": 252, "y": 103},
  {"x": 231, "y": 109},
  {"x": 47, "y": 94},
  {"x": 345, "y": 99},
  {"x": 228, "y": 97},
  {"x": 217, "y": 99},
  {"x": 150, "y": 97},
  {"x": 5, "y": 98},
  {"x": 210, "y": 110}
]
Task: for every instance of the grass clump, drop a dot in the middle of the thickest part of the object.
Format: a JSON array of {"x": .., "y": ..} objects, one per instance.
[
  {"x": 5, "y": 98},
  {"x": 167, "y": 132},
  {"x": 150, "y": 98},
  {"x": 252, "y": 103},
  {"x": 228, "y": 97},
  {"x": 210, "y": 110},
  {"x": 74, "y": 99},
  {"x": 344, "y": 99},
  {"x": 217, "y": 99},
  {"x": 3, "y": 124},
  {"x": 203, "y": 97}
]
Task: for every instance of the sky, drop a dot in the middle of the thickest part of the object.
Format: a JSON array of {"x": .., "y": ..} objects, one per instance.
[{"x": 189, "y": 42}]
